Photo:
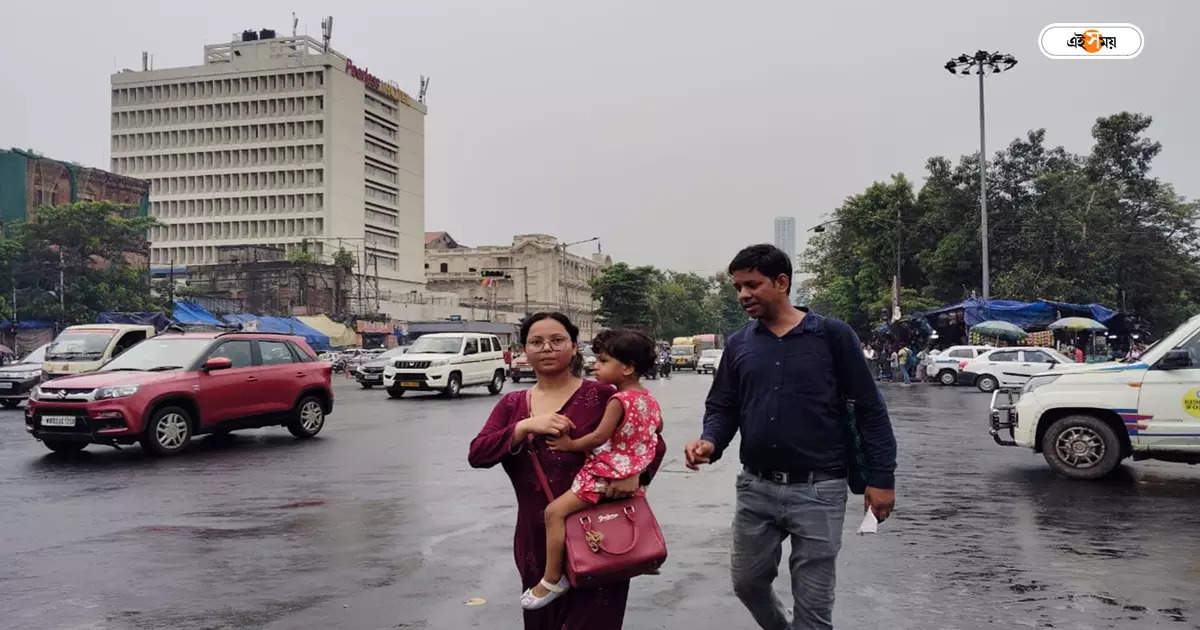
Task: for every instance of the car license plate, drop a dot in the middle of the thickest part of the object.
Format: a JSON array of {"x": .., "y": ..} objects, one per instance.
[
  {"x": 58, "y": 421},
  {"x": 4, "y": 385},
  {"x": 409, "y": 384}
]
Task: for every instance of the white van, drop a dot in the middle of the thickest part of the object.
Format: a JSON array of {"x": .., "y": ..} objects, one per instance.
[
  {"x": 447, "y": 362},
  {"x": 87, "y": 347}
]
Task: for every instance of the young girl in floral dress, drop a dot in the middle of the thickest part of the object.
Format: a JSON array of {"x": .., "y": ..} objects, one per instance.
[{"x": 622, "y": 446}]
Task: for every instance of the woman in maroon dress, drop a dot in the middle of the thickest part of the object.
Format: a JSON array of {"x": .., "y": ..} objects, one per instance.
[{"x": 561, "y": 401}]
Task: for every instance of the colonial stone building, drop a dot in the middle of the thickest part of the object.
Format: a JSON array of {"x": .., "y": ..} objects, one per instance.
[
  {"x": 533, "y": 274},
  {"x": 29, "y": 180}
]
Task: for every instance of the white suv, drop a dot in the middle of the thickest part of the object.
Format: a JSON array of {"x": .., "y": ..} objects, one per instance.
[
  {"x": 945, "y": 366},
  {"x": 447, "y": 362},
  {"x": 1085, "y": 419},
  {"x": 1010, "y": 367}
]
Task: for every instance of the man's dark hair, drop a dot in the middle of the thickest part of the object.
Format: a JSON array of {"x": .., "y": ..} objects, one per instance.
[
  {"x": 572, "y": 329},
  {"x": 627, "y": 346},
  {"x": 764, "y": 258}
]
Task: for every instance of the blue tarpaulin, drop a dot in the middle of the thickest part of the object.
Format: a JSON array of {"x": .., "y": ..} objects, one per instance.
[
  {"x": 27, "y": 323},
  {"x": 1039, "y": 314},
  {"x": 158, "y": 320},
  {"x": 192, "y": 314},
  {"x": 285, "y": 325}
]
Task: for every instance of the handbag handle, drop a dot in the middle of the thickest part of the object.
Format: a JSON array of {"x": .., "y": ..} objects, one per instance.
[{"x": 537, "y": 464}]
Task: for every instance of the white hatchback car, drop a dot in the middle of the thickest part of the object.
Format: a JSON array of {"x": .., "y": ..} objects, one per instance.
[
  {"x": 447, "y": 362},
  {"x": 1010, "y": 367},
  {"x": 945, "y": 365},
  {"x": 709, "y": 360}
]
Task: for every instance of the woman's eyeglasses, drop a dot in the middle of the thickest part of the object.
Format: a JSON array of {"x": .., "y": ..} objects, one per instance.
[{"x": 555, "y": 343}]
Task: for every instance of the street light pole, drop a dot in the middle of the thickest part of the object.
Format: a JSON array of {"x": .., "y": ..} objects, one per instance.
[
  {"x": 566, "y": 292},
  {"x": 980, "y": 63},
  {"x": 983, "y": 215}
]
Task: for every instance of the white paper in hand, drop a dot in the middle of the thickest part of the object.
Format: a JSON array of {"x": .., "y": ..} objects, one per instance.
[{"x": 870, "y": 524}]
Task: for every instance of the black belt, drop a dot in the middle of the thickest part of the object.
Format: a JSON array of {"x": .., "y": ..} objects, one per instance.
[{"x": 795, "y": 476}]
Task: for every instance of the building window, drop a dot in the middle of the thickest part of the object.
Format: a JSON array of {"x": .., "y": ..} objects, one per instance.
[{"x": 445, "y": 267}]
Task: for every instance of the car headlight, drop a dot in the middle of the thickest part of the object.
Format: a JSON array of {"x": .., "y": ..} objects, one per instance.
[
  {"x": 24, "y": 375},
  {"x": 439, "y": 362},
  {"x": 104, "y": 393},
  {"x": 1038, "y": 381}
]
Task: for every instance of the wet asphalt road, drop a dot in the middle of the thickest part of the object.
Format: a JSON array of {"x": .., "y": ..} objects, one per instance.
[{"x": 380, "y": 523}]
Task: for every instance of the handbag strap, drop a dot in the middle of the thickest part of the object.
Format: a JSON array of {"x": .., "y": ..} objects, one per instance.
[{"x": 537, "y": 463}]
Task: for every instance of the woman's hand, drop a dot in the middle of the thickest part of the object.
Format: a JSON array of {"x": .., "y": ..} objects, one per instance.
[
  {"x": 551, "y": 424},
  {"x": 621, "y": 488}
]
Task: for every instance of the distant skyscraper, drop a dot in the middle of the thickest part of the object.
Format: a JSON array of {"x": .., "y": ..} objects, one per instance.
[{"x": 785, "y": 239}]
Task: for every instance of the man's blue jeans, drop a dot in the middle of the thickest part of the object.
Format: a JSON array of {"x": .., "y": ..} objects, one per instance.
[{"x": 811, "y": 514}]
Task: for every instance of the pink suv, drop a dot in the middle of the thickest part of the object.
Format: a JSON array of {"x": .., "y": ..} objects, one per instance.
[{"x": 168, "y": 388}]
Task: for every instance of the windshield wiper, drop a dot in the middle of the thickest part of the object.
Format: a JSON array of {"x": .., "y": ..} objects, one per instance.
[
  {"x": 164, "y": 368},
  {"x": 131, "y": 369}
]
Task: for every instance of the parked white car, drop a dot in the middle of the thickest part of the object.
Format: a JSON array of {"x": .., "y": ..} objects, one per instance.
[
  {"x": 1010, "y": 367},
  {"x": 447, "y": 362},
  {"x": 945, "y": 366},
  {"x": 1085, "y": 419},
  {"x": 709, "y": 360}
]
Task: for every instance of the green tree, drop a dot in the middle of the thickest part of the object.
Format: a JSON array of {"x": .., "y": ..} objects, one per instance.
[
  {"x": 345, "y": 259},
  {"x": 1062, "y": 226},
  {"x": 624, "y": 295},
  {"x": 99, "y": 250}
]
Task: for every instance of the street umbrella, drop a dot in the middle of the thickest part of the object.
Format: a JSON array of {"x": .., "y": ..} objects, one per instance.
[
  {"x": 1078, "y": 324},
  {"x": 1002, "y": 330}
]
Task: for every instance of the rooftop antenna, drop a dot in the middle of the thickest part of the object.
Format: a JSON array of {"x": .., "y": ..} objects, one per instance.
[
  {"x": 327, "y": 31},
  {"x": 424, "y": 88},
  {"x": 145, "y": 61},
  {"x": 295, "y": 23}
]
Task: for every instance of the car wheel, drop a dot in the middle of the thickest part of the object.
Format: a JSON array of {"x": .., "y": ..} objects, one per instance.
[
  {"x": 308, "y": 418},
  {"x": 10, "y": 404},
  {"x": 516, "y": 379},
  {"x": 168, "y": 432},
  {"x": 1081, "y": 447},
  {"x": 454, "y": 386},
  {"x": 395, "y": 392},
  {"x": 497, "y": 383},
  {"x": 64, "y": 446},
  {"x": 987, "y": 383},
  {"x": 947, "y": 378}
]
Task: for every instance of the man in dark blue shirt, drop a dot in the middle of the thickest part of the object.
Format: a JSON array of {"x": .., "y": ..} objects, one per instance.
[{"x": 783, "y": 382}]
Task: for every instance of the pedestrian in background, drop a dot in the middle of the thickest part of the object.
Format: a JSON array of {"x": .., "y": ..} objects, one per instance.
[
  {"x": 869, "y": 355},
  {"x": 894, "y": 363},
  {"x": 782, "y": 384},
  {"x": 902, "y": 357}
]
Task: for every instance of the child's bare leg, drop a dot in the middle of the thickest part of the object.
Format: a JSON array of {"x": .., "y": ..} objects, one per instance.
[{"x": 556, "y": 537}]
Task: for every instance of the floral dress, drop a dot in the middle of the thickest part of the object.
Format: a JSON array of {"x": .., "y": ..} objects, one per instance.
[{"x": 630, "y": 450}]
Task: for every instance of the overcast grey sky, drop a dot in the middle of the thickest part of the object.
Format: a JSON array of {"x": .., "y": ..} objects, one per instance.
[{"x": 674, "y": 130}]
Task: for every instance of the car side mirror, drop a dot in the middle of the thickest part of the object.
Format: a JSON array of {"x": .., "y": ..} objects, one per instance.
[
  {"x": 218, "y": 363},
  {"x": 1175, "y": 360}
]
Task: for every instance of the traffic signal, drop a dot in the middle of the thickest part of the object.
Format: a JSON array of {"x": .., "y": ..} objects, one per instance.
[{"x": 491, "y": 274}]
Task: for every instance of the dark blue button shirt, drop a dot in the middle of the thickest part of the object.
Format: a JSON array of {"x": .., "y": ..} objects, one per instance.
[{"x": 785, "y": 395}]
